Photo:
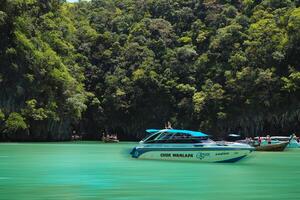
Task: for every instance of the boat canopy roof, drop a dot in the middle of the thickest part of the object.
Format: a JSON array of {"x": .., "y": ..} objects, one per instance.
[
  {"x": 188, "y": 132},
  {"x": 281, "y": 137}
]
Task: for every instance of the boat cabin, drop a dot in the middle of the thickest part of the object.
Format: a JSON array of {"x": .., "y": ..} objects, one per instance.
[{"x": 174, "y": 136}]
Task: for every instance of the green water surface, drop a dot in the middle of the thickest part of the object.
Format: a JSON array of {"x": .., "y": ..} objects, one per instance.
[{"x": 105, "y": 171}]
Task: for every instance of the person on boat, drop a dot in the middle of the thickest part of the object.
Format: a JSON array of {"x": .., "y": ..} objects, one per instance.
[
  {"x": 268, "y": 139},
  {"x": 294, "y": 136},
  {"x": 259, "y": 140},
  {"x": 297, "y": 138},
  {"x": 251, "y": 141},
  {"x": 247, "y": 140},
  {"x": 169, "y": 125}
]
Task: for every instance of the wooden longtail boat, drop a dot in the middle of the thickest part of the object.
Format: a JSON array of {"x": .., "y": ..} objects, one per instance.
[{"x": 271, "y": 147}]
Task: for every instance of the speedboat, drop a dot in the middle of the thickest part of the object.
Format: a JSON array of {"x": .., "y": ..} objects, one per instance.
[{"x": 186, "y": 145}]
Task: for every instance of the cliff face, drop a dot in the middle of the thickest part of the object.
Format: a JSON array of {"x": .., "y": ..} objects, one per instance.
[{"x": 124, "y": 66}]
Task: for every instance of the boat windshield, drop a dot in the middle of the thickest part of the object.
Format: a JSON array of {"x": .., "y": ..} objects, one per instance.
[
  {"x": 151, "y": 137},
  {"x": 165, "y": 137}
]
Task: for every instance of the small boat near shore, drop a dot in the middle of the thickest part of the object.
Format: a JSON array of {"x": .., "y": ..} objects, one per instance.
[
  {"x": 271, "y": 147},
  {"x": 275, "y": 143},
  {"x": 107, "y": 139},
  {"x": 186, "y": 145}
]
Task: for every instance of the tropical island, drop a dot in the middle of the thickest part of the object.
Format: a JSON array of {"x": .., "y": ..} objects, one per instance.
[{"x": 115, "y": 66}]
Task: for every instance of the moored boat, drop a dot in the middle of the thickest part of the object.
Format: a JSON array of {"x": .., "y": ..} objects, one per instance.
[
  {"x": 186, "y": 145},
  {"x": 271, "y": 147},
  {"x": 107, "y": 139}
]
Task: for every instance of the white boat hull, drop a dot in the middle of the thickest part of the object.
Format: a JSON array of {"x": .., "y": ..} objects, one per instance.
[{"x": 199, "y": 154}]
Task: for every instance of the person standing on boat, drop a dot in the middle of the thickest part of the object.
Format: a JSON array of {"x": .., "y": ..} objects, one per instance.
[
  {"x": 115, "y": 136},
  {"x": 259, "y": 141},
  {"x": 247, "y": 140},
  {"x": 297, "y": 138},
  {"x": 169, "y": 125},
  {"x": 294, "y": 136},
  {"x": 251, "y": 141},
  {"x": 268, "y": 139}
]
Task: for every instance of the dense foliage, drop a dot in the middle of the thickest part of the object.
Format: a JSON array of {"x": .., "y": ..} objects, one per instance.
[{"x": 122, "y": 66}]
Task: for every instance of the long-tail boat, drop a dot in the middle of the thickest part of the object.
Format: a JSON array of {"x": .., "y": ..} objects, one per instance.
[{"x": 271, "y": 147}]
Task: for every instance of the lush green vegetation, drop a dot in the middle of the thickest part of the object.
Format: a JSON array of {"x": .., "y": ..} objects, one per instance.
[{"x": 122, "y": 66}]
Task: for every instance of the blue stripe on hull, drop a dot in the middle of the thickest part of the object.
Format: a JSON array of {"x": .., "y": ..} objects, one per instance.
[
  {"x": 136, "y": 152},
  {"x": 194, "y": 149},
  {"x": 232, "y": 160}
]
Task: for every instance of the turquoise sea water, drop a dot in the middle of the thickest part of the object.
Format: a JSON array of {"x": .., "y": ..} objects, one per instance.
[{"x": 105, "y": 171}]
